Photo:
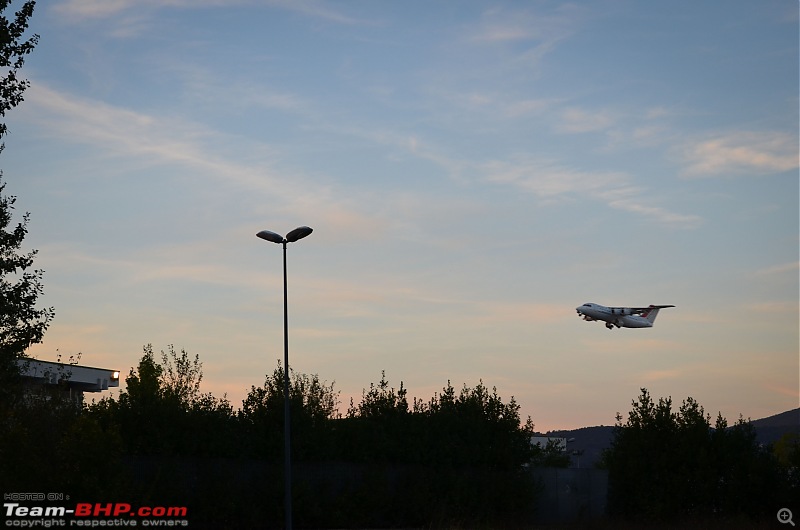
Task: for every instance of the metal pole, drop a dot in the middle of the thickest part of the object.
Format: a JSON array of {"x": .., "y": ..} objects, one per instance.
[{"x": 287, "y": 462}]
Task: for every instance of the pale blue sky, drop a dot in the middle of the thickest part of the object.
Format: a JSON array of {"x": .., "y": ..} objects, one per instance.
[{"x": 473, "y": 171}]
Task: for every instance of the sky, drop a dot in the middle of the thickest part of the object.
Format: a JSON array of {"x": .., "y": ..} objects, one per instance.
[{"x": 473, "y": 171}]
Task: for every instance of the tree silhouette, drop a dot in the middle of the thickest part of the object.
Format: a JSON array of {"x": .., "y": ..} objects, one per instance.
[
  {"x": 13, "y": 49},
  {"x": 313, "y": 404},
  {"x": 21, "y": 323},
  {"x": 666, "y": 465}
]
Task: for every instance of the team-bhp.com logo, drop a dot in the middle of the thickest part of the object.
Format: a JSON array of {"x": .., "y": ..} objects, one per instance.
[{"x": 117, "y": 514}]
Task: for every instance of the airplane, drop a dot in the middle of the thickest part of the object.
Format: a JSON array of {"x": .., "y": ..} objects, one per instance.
[{"x": 621, "y": 317}]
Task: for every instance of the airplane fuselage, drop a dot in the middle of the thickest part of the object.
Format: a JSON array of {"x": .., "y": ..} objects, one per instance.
[{"x": 621, "y": 317}]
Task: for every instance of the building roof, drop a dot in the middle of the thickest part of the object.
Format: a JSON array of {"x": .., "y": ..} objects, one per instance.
[{"x": 82, "y": 378}]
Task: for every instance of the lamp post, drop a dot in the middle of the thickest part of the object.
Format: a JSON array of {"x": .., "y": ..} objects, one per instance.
[{"x": 291, "y": 237}]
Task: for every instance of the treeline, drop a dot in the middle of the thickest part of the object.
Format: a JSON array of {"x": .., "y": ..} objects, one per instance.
[
  {"x": 462, "y": 458},
  {"x": 457, "y": 458},
  {"x": 668, "y": 465}
]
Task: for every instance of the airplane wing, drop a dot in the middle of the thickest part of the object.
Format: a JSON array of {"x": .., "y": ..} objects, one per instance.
[
  {"x": 644, "y": 310},
  {"x": 636, "y": 310}
]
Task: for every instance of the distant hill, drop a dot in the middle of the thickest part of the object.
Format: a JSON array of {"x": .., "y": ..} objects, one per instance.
[
  {"x": 772, "y": 428},
  {"x": 790, "y": 418},
  {"x": 589, "y": 442}
]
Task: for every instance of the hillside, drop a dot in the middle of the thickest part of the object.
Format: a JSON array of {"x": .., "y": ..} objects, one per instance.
[
  {"x": 770, "y": 429},
  {"x": 589, "y": 442}
]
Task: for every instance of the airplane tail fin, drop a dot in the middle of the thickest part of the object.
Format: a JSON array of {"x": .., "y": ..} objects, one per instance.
[{"x": 652, "y": 312}]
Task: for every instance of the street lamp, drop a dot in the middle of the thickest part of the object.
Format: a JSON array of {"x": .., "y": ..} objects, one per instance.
[{"x": 291, "y": 237}]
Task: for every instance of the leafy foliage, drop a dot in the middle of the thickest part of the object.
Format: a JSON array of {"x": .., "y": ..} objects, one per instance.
[
  {"x": 551, "y": 455},
  {"x": 21, "y": 324},
  {"x": 13, "y": 49},
  {"x": 180, "y": 375},
  {"x": 312, "y": 403},
  {"x": 25, "y": 424},
  {"x": 458, "y": 455},
  {"x": 162, "y": 412},
  {"x": 456, "y": 458}
]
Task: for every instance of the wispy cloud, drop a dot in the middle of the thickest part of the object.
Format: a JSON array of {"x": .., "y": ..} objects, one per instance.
[
  {"x": 77, "y": 10},
  {"x": 492, "y": 106},
  {"x": 576, "y": 120},
  {"x": 84, "y": 9},
  {"x": 783, "y": 268},
  {"x": 146, "y": 265},
  {"x": 774, "y": 307},
  {"x": 788, "y": 391},
  {"x": 522, "y": 37},
  {"x": 631, "y": 199},
  {"x": 551, "y": 181},
  {"x": 526, "y": 107},
  {"x": 125, "y": 132},
  {"x": 202, "y": 85},
  {"x": 162, "y": 139},
  {"x": 316, "y": 9},
  {"x": 502, "y": 25},
  {"x": 660, "y": 375},
  {"x": 495, "y": 313},
  {"x": 741, "y": 153}
]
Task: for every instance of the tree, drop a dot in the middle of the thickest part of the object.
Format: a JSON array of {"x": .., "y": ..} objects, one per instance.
[
  {"x": 665, "y": 465},
  {"x": 21, "y": 324},
  {"x": 551, "y": 455},
  {"x": 475, "y": 427},
  {"x": 180, "y": 375},
  {"x": 787, "y": 452},
  {"x": 456, "y": 457},
  {"x": 380, "y": 427},
  {"x": 380, "y": 401},
  {"x": 162, "y": 411},
  {"x": 13, "y": 50},
  {"x": 312, "y": 404},
  {"x": 747, "y": 475}
]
